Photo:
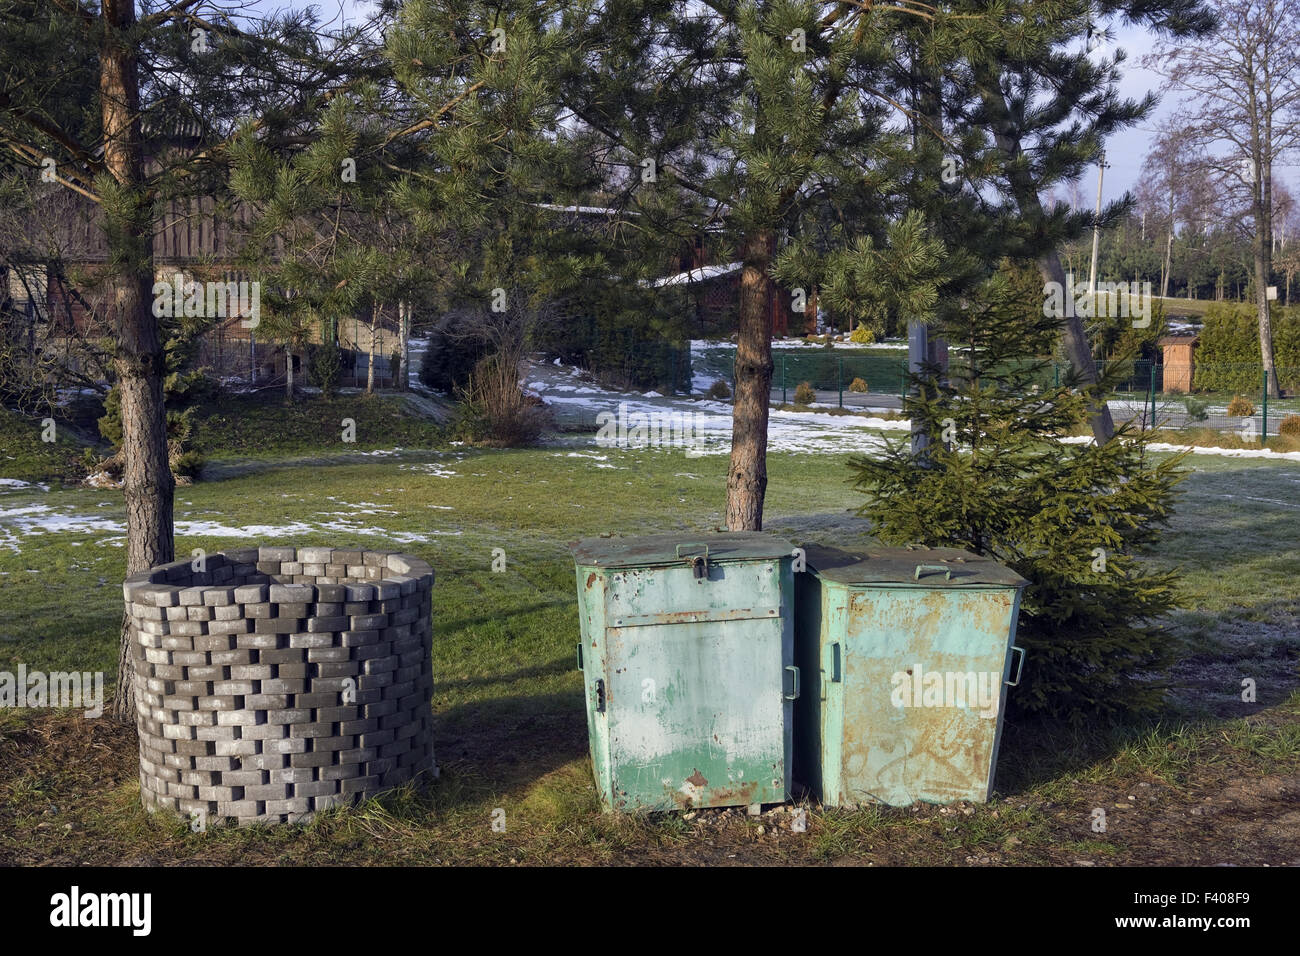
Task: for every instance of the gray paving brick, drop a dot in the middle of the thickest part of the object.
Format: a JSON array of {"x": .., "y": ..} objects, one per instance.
[
  {"x": 241, "y": 655},
  {"x": 265, "y": 761},
  {"x": 277, "y": 625},
  {"x": 267, "y": 791},
  {"x": 312, "y": 758},
  {"x": 266, "y": 701},
  {"x": 316, "y": 625},
  {"x": 252, "y": 594}
]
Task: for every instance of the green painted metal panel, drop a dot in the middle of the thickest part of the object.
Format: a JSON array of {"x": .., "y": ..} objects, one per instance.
[
  {"x": 667, "y": 550},
  {"x": 905, "y": 680},
  {"x": 688, "y": 669},
  {"x": 912, "y": 566}
]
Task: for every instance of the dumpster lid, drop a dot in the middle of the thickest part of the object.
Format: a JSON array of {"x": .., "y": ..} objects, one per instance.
[
  {"x": 898, "y": 566},
  {"x": 665, "y": 549}
]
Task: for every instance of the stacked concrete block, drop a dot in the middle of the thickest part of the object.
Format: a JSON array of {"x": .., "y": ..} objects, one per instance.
[{"x": 275, "y": 682}]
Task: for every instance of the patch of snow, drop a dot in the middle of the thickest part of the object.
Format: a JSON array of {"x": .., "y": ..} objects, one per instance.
[
  {"x": 694, "y": 275},
  {"x": 431, "y": 468},
  {"x": 15, "y": 483},
  {"x": 1202, "y": 449}
]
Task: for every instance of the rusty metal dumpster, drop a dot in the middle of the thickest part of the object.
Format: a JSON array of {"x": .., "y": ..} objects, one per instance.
[
  {"x": 905, "y": 653},
  {"x": 687, "y": 656}
]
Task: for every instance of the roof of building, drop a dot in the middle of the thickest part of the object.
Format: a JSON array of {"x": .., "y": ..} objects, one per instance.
[{"x": 700, "y": 274}]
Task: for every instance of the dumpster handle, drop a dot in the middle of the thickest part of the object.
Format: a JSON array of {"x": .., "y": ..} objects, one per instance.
[
  {"x": 947, "y": 572},
  {"x": 1016, "y": 682},
  {"x": 835, "y": 662},
  {"x": 693, "y": 544},
  {"x": 580, "y": 667},
  {"x": 795, "y": 671}
]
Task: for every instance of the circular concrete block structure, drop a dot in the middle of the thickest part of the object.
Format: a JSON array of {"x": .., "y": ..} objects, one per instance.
[{"x": 274, "y": 682}]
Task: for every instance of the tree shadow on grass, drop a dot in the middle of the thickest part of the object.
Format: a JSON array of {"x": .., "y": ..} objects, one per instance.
[
  {"x": 507, "y": 743},
  {"x": 561, "y": 666},
  {"x": 446, "y": 624}
]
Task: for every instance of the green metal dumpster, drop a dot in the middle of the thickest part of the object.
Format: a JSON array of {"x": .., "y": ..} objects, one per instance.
[
  {"x": 905, "y": 653},
  {"x": 687, "y": 655}
]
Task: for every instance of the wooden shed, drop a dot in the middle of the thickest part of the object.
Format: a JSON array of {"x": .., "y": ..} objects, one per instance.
[{"x": 1177, "y": 352}]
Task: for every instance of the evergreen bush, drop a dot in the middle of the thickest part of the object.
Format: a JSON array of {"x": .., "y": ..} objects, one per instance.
[{"x": 1001, "y": 480}]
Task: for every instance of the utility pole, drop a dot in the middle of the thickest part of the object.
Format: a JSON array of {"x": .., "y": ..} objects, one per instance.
[{"x": 1096, "y": 230}]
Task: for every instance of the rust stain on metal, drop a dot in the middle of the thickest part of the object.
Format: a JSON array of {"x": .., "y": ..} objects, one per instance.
[
  {"x": 591, "y": 579},
  {"x": 732, "y": 796},
  {"x": 739, "y": 795}
]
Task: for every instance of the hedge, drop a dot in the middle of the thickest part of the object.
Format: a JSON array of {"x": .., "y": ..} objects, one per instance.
[{"x": 1227, "y": 355}]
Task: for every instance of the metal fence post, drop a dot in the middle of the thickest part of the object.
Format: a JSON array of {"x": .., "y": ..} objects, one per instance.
[
  {"x": 1264, "y": 438},
  {"x": 782, "y": 379},
  {"x": 839, "y": 378}
]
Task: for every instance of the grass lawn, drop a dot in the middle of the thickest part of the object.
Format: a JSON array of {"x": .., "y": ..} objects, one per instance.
[{"x": 510, "y": 728}]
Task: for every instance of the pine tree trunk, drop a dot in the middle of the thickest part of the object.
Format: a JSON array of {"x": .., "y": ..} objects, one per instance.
[
  {"x": 747, "y": 475},
  {"x": 1025, "y": 193},
  {"x": 288, "y": 373},
  {"x": 138, "y": 359}
]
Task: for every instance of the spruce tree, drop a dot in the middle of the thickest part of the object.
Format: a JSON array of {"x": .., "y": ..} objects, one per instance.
[{"x": 1006, "y": 477}]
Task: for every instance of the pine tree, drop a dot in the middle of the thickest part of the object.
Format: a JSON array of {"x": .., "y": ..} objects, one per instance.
[
  {"x": 1045, "y": 88},
  {"x": 89, "y": 92},
  {"x": 1004, "y": 478},
  {"x": 768, "y": 126}
]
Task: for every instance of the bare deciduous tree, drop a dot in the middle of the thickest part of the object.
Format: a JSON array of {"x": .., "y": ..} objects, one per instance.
[{"x": 1241, "y": 117}]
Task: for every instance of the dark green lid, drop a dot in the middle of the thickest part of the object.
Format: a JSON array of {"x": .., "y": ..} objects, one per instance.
[
  {"x": 657, "y": 550},
  {"x": 910, "y": 566}
]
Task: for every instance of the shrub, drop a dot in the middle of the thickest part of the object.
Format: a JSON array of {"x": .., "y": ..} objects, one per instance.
[
  {"x": 804, "y": 394},
  {"x": 862, "y": 335},
  {"x": 452, "y": 355},
  {"x": 1094, "y": 635},
  {"x": 719, "y": 390},
  {"x": 1240, "y": 407},
  {"x": 494, "y": 410},
  {"x": 858, "y": 385},
  {"x": 325, "y": 368},
  {"x": 1197, "y": 410},
  {"x": 1290, "y": 426}
]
